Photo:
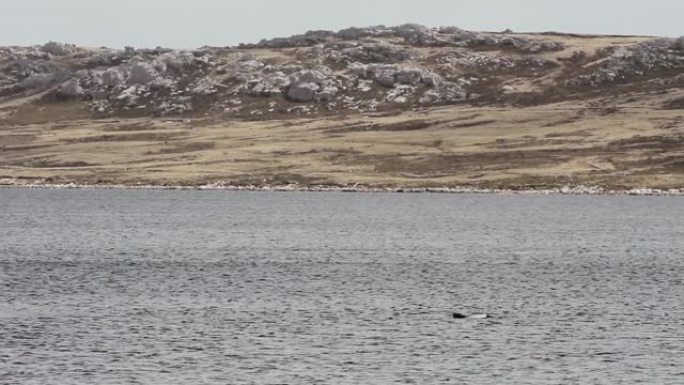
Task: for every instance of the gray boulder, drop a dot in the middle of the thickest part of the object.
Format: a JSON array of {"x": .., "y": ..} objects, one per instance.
[
  {"x": 303, "y": 92},
  {"x": 418, "y": 35},
  {"x": 38, "y": 81},
  {"x": 318, "y": 84},
  {"x": 409, "y": 75},
  {"x": 354, "y": 33},
  {"x": 71, "y": 88},
  {"x": 54, "y": 48},
  {"x": 445, "y": 92},
  {"x": 23, "y": 68},
  {"x": 112, "y": 77},
  {"x": 327, "y": 94},
  {"x": 243, "y": 70},
  {"x": 679, "y": 44},
  {"x": 308, "y": 39},
  {"x": 400, "y": 94},
  {"x": 129, "y": 97},
  {"x": 6, "y": 80},
  {"x": 391, "y": 75},
  {"x": 384, "y": 74},
  {"x": 142, "y": 73},
  {"x": 271, "y": 84},
  {"x": 175, "y": 60},
  {"x": 370, "y": 53}
]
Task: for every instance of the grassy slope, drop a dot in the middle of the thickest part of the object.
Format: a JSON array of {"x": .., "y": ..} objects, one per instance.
[{"x": 618, "y": 141}]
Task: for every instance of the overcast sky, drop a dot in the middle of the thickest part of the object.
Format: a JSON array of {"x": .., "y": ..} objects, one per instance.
[{"x": 189, "y": 24}]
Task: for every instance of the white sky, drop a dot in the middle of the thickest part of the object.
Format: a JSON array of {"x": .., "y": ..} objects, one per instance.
[{"x": 189, "y": 24}]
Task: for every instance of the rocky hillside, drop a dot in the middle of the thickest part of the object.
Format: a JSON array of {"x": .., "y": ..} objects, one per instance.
[{"x": 358, "y": 76}]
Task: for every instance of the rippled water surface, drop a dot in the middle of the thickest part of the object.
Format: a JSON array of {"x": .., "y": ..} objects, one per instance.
[{"x": 192, "y": 287}]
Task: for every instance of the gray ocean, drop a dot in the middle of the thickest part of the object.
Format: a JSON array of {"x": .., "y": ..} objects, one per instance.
[{"x": 218, "y": 287}]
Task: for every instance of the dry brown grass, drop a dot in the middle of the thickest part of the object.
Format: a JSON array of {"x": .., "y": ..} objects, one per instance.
[{"x": 447, "y": 146}]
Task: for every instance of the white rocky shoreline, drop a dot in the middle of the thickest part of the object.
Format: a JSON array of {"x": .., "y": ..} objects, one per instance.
[{"x": 357, "y": 188}]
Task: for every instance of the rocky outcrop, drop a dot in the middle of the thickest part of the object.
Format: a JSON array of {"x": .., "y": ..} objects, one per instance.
[
  {"x": 356, "y": 69},
  {"x": 35, "y": 75},
  {"x": 308, "y": 39},
  {"x": 368, "y": 53},
  {"x": 391, "y": 75},
  {"x": 414, "y": 35},
  {"x": 420, "y": 36},
  {"x": 268, "y": 85},
  {"x": 679, "y": 44},
  {"x": 57, "y": 49},
  {"x": 318, "y": 84},
  {"x": 642, "y": 60}
]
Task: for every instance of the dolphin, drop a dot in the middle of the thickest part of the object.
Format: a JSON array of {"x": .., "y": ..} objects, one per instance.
[{"x": 457, "y": 315}]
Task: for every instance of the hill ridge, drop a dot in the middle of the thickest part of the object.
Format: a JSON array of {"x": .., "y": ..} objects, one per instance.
[{"x": 404, "y": 105}]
